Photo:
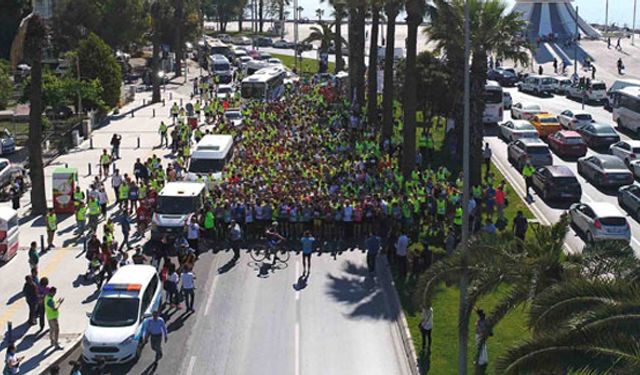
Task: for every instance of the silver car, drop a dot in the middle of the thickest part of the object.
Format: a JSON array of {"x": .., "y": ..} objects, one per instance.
[
  {"x": 533, "y": 149},
  {"x": 524, "y": 111},
  {"x": 604, "y": 170},
  {"x": 512, "y": 130},
  {"x": 573, "y": 120},
  {"x": 628, "y": 151},
  {"x": 629, "y": 199},
  {"x": 600, "y": 221}
]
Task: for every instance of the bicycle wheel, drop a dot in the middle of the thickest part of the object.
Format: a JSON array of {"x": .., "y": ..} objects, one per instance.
[
  {"x": 283, "y": 256},
  {"x": 258, "y": 253}
]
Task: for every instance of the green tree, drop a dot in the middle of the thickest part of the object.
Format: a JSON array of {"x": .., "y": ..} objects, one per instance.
[
  {"x": 339, "y": 7},
  {"x": 63, "y": 91},
  {"x": 584, "y": 326},
  {"x": 97, "y": 61},
  {"x": 324, "y": 35},
  {"x": 391, "y": 9},
  {"x": 6, "y": 84},
  {"x": 11, "y": 12}
]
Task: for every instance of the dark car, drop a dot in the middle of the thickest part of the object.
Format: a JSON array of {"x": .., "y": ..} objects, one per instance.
[
  {"x": 557, "y": 182},
  {"x": 598, "y": 135},
  {"x": 567, "y": 143},
  {"x": 503, "y": 77},
  {"x": 629, "y": 199},
  {"x": 605, "y": 170},
  {"x": 263, "y": 41}
]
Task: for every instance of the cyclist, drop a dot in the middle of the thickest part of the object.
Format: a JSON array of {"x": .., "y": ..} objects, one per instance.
[{"x": 273, "y": 238}]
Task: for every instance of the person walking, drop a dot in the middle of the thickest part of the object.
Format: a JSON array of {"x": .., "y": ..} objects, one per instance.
[
  {"x": 163, "y": 130},
  {"x": 593, "y": 72},
  {"x": 52, "y": 226},
  {"x": 618, "y": 46},
  {"x": 540, "y": 70},
  {"x": 30, "y": 292},
  {"x": 188, "y": 286},
  {"x": 307, "y": 248},
  {"x": 52, "y": 311},
  {"x": 555, "y": 65},
  {"x": 482, "y": 333},
  {"x": 125, "y": 224},
  {"x": 426, "y": 325},
  {"x": 486, "y": 154},
  {"x": 11, "y": 361},
  {"x": 372, "y": 244},
  {"x": 193, "y": 235},
  {"x": 105, "y": 163},
  {"x": 620, "y": 66},
  {"x": 235, "y": 236},
  {"x": 528, "y": 172},
  {"x": 402, "y": 247},
  {"x": 81, "y": 217},
  {"x": 34, "y": 257},
  {"x": 115, "y": 146},
  {"x": 156, "y": 330},
  {"x": 520, "y": 225}
]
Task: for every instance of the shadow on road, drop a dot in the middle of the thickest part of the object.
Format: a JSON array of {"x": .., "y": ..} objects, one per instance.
[{"x": 355, "y": 288}]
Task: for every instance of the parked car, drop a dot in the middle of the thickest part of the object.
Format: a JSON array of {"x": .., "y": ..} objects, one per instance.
[
  {"x": 545, "y": 124},
  {"x": 604, "y": 170},
  {"x": 561, "y": 85},
  {"x": 629, "y": 199},
  {"x": 225, "y": 38},
  {"x": 628, "y": 151},
  {"x": 504, "y": 77},
  {"x": 507, "y": 100},
  {"x": 264, "y": 56},
  {"x": 275, "y": 61},
  {"x": 524, "y": 111},
  {"x": 282, "y": 44},
  {"x": 537, "y": 85},
  {"x": 567, "y": 143},
  {"x": 263, "y": 41},
  {"x": 635, "y": 168},
  {"x": 233, "y": 116},
  {"x": 598, "y": 135},
  {"x": 600, "y": 221},
  {"x": 224, "y": 91},
  {"x": 557, "y": 182},
  {"x": 597, "y": 92},
  {"x": 241, "y": 40},
  {"x": 572, "y": 120},
  {"x": 532, "y": 149},
  {"x": 512, "y": 130}
]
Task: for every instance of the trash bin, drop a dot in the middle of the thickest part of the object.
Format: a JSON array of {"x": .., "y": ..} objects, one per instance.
[{"x": 63, "y": 184}]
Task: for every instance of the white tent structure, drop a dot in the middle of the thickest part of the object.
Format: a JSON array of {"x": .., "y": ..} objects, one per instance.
[{"x": 552, "y": 17}]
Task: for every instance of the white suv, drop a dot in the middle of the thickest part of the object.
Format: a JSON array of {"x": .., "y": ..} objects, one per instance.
[
  {"x": 538, "y": 85},
  {"x": 600, "y": 221}
]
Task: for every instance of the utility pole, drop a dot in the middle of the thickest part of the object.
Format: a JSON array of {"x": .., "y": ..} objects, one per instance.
[
  {"x": 575, "y": 46},
  {"x": 633, "y": 25},
  {"x": 78, "y": 76},
  {"x": 606, "y": 16},
  {"x": 296, "y": 16},
  {"x": 463, "y": 329}
]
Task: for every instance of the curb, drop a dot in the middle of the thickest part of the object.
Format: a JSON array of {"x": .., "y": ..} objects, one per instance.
[
  {"x": 68, "y": 350},
  {"x": 401, "y": 321}
]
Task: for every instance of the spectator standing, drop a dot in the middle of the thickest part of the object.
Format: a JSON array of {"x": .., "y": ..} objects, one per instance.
[
  {"x": 52, "y": 226},
  {"x": 125, "y": 224},
  {"x": 235, "y": 236},
  {"x": 486, "y": 154},
  {"x": 520, "y": 226},
  {"x": 482, "y": 333},
  {"x": 188, "y": 286},
  {"x": 402, "y": 246},
  {"x": 116, "y": 182},
  {"x": 11, "y": 361},
  {"x": 372, "y": 243},
  {"x": 43, "y": 292},
  {"x": 115, "y": 146},
  {"x": 52, "y": 311},
  {"x": 426, "y": 325},
  {"x": 193, "y": 235},
  {"x": 307, "y": 248},
  {"x": 30, "y": 292},
  {"x": 34, "y": 257}
]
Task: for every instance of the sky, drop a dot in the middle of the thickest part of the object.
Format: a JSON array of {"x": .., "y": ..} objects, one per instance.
[{"x": 593, "y": 11}]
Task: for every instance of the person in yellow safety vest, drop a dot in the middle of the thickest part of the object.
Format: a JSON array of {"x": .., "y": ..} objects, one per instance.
[
  {"x": 123, "y": 195},
  {"x": 198, "y": 108},
  {"x": 174, "y": 112},
  {"x": 78, "y": 196},
  {"x": 476, "y": 191},
  {"x": 441, "y": 208},
  {"x": 528, "y": 172},
  {"x": 457, "y": 219},
  {"x": 142, "y": 192},
  {"x": 52, "y": 226},
  {"x": 109, "y": 226},
  {"x": 94, "y": 214},
  {"x": 105, "y": 162},
  {"x": 186, "y": 152},
  {"x": 163, "y": 130},
  {"x": 52, "y": 312},
  {"x": 81, "y": 214}
]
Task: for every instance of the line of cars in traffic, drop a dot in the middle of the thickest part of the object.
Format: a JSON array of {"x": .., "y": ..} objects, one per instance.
[{"x": 534, "y": 134}]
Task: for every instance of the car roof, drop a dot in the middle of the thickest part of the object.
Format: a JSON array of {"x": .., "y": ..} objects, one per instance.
[
  {"x": 632, "y": 142},
  {"x": 569, "y": 133},
  {"x": 560, "y": 171},
  {"x": 522, "y": 122},
  {"x": 532, "y": 141},
  {"x": 601, "y": 125},
  {"x": 545, "y": 115},
  {"x": 182, "y": 188},
  {"x": 602, "y": 209},
  {"x": 129, "y": 281},
  {"x": 530, "y": 105}
]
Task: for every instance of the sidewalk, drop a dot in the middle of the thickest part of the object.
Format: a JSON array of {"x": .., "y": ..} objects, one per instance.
[{"x": 65, "y": 263}]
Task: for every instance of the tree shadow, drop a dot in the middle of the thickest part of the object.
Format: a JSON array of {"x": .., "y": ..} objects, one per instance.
[{"x": 359, "y": 291}]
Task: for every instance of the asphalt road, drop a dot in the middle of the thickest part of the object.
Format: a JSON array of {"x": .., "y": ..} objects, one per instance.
[
  {"x": 250, "y": 320},
  {"x": 550, "y": 213}
]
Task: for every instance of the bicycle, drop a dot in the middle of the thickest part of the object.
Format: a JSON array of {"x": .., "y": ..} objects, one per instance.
[{"x": 265, "y": 248}]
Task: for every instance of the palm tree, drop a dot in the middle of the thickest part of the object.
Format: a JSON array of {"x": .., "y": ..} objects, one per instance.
[
  {"x": 372, "y": 77},
  {"x": 357, "y": 11},
  {"x": 155, "y": 60},
  {"x": 391, "y": 9},
  {"x": 319, "y": 13},
  {"x": 587, "y": 326},
  {"x": 34, "y": 43},
  {"x": 325, "y": 36},
  {"x": 338, "y": 15}
]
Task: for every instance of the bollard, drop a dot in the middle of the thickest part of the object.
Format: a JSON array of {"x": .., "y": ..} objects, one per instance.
[
  {"x": 84, "y": 246},
  {"x": 180, "y": 102},
  {"x": 88, "y": 169},
  {"x": 10, "y": 333},
  {"x": 138, "y": 142},
  {"x": 144, "y": 102},
  {"x": 132, "y": 112},
  {"x": 42, "y": 249},
  {"x": 154, "y": 112},
  {"x": 91, "y": 143},
  {"x": 163, "y": 102},
  {"x": 114, "y": 168},
  {"x": 170, "y": 96},
  {"x": 66, "y": 165}
]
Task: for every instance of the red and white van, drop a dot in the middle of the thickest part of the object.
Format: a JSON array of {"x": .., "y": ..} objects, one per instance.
[{"x": 9, "y": 233}]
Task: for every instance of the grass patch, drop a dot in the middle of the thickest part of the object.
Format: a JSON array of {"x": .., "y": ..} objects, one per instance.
[{"x": 307, "y": 65}]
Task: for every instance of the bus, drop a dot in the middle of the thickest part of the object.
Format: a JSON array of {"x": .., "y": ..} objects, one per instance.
[
  {"x": 216, "y": 47},
  {"x": 493, "y": 107},
  {"x": 265, "y": 84},
  {"x": 626, "y": 108}
]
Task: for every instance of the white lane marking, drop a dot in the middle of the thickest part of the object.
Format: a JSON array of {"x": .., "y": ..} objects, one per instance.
[
  {"x": 297, "y": 273},
  {"x": 296, "y": 344},
  {"x": 211, "y": 293},
  {"x": 192, "y": 363}
]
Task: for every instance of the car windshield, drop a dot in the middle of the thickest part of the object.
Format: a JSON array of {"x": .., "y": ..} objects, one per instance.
[
  {"x": 636, "y": 150},
  {"x": 224, "y": 90},
  {"x": 583, "y": 117},
  {"x": 533, "y": 107},
  {"x": 221, "y": 67},
  {"x": 492, "y": 96},
  {"x": 566, "y": 181},
  {"x": 233, "y": 115},
  {"x": 598, "y": 86},
  {"x": 605, "y": 130},
  {"x": 206, "y": 165},
  {"x": 613, "y": 221},
  {"x": 523, "y": 126},
  {"x": 176, "y": 205},
  {"x": 573, "y": 140},
  {"x": 613, "y": 163},
  {"x": 115, "y": 312},
  {"x": 548, "y": 120},
  {"x": 537, "y": 150}
]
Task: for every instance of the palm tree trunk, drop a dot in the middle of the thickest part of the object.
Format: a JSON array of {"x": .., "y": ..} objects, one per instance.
[
  {"x": 37, "y": 33},
  {"x": 352, "y": 66},
  {"x": 155, "y": 60},
  {"x": 260, "y": 15},
  {"x": 338, "y": 39},
  {"x": 478, "y": 79},
  {"x": 179, "y": 20},
  {"x": 359, "y": 58},
  {"x": 414, "y": 17},
  {"x": 240, "y": 19},
  {"x": 372, "y": 82},
  {"x": 387, "y": 89}
]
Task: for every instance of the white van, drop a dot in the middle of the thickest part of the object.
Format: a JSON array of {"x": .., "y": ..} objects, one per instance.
[
  {"x": 538, "y": 85},
  {"x": 210, "y": 156},
  {"x": 220, "y": 66},
  {"x": 9, "y": 233},
  {"x": 176, "y": 204},
  {"x": 626, "y": 109},
  {"x": 116, "y": 328},
  {"x": 616, "y": 86}
]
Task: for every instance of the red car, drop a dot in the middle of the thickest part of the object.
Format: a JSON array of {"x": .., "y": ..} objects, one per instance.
[{"x": 567, "y": 143}]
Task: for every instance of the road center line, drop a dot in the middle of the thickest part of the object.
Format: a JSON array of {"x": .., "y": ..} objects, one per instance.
[
  {"x": 296, "y": 334},
  {"x": 212, "y": 290},
  {"x": 192, "y": 363}
]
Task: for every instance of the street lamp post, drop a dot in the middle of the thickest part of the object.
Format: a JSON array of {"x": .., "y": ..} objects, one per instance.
[
  {"x": 633, "y": 25},
  {"x": 575, "y": 47}
]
